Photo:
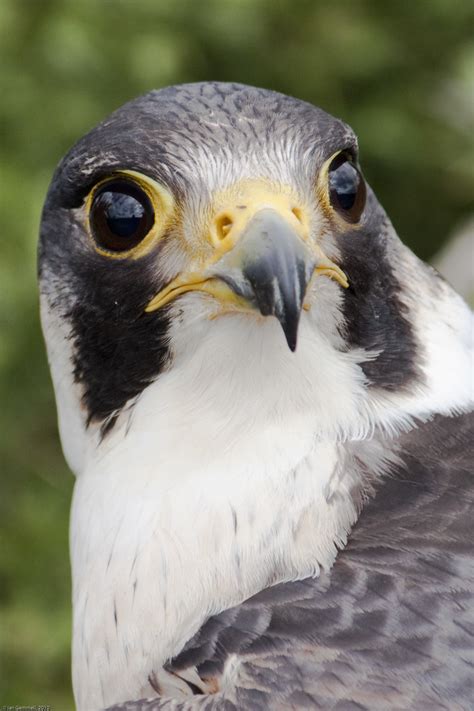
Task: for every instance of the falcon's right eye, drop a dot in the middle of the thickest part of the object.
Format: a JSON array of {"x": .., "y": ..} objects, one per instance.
[{"x": 121, "y": 215}]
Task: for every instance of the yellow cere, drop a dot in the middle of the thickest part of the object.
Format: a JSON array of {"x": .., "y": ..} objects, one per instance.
[{"x": 236, "y": 206}]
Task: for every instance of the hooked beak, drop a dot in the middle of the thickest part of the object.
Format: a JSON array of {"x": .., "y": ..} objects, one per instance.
[
  {"x": 270, "y": 268},
  {"x": 267, "y": 267}
]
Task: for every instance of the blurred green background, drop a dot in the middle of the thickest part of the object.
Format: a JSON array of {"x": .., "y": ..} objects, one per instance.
[{"x": 399, "y": 72}]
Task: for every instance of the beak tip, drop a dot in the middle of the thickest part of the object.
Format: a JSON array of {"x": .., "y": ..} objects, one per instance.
[{"x": 290, "y": 329}]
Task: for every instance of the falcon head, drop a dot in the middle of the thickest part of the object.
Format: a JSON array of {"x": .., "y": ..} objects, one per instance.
[{"x": 226, "y": 235}]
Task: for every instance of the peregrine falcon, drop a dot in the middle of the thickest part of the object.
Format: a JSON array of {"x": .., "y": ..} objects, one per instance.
[{"x": 267, "y": 401}]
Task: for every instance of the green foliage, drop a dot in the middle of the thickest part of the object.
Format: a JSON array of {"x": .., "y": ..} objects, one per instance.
[{"x": 399, "y": 72}]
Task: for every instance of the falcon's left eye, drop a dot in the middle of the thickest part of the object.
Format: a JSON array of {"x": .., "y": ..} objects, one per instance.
[
  {"x": 121, "y": 215},
  {"x": 347, "y": 192}
]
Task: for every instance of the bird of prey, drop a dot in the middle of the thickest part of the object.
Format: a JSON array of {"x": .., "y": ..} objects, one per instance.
[{"x": 266, "y": 399}]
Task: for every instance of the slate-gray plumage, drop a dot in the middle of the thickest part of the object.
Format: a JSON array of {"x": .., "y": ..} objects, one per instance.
[{"x": 228, "y": 585}]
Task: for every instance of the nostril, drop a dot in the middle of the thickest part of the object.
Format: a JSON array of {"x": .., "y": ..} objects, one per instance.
[
  {"x": 223, "y": 226},
  {"x": 297, "y": 213}
]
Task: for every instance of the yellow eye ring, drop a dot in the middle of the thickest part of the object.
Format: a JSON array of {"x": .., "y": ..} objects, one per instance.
[
  {"x": 346, "y": 208},
  {"x": 127, "y": 220}
]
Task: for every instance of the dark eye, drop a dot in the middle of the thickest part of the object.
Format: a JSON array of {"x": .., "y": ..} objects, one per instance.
[
  {"x": 347, "y": 191},
  {"x": 121, "y": 215}
]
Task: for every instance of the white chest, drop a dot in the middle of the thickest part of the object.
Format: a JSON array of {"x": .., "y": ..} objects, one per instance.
[{"x": 154, "y": 555}]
